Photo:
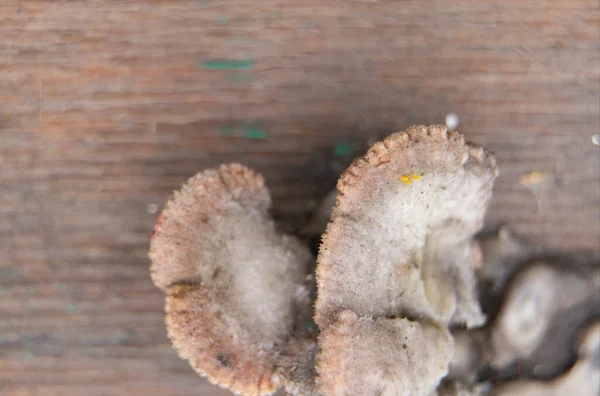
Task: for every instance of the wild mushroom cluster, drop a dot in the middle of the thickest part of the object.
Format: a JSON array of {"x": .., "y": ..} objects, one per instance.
[{"x": 406, "y": 296}]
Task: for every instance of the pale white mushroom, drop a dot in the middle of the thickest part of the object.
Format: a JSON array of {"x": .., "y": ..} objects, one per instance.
[
  {"x": 543, "y": 306},
  {"x": 583, "y": 379},
  {"x": 234, "y": 283},
  {"x": 397, "y": 255},
  {"x": 387, "y": 357}
]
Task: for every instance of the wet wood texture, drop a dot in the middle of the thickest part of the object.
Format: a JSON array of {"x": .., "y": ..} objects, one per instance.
[{"x": 107, "y": 106}]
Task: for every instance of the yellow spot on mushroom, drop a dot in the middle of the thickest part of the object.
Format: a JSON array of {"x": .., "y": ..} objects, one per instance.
[
  {"x": 406, "y": 180},
  {"x": 416, "y": 177}
]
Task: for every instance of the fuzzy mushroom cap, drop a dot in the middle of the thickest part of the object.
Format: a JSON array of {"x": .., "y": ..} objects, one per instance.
[
  {"x": 234, "y": 284},
  {"x": 399, "y": 244},
  {"x": 401, "y": 228},
  {"x": 366, "y": 356}
]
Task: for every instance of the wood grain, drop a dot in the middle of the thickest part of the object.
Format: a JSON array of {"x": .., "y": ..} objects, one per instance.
[{"x": 107, "y": 106}]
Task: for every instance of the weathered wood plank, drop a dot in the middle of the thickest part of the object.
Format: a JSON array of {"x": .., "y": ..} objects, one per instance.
[{"x": 106, "y": 107}]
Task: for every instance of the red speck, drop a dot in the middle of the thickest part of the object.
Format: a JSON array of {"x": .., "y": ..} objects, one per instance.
[{"x": 157, "y": 227}]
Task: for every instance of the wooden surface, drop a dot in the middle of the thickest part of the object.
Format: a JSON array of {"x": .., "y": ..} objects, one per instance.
[{"x": 107, "y": 106}]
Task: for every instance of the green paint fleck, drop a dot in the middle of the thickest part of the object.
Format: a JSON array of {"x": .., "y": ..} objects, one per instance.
[
  {"x": 72, "y": 308},
  {"x": 28, "y": 354},
  {"x": 223, "y": 18},
  {"x": 278, "y": 14},
  {"x": 4, "y": 289},
  {"x": 204, "y": 3},
  {"x": 343, "y": 149},
  {"x": 62, "y": 286},
  {"x": 223, "y": 64},
  {"x": 226, "y": 130},
  {"x": 254, "y": 133},
  {"x": 241, "y": 78},
  {"x": 410, "y": 114},
  {"x": 130, "y": 335},
  {"x": 307, "y": 25}
]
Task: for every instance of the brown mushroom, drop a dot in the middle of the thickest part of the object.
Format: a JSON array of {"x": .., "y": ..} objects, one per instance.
[
  {"x": 396, "y": 259},
  {"x": 234, "y": 283}
]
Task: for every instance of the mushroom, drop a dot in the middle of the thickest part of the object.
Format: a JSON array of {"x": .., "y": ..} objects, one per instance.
[
  {"x": 502, "y": 250},
  {"x": 583, "y": 379},
  {"x": 467, "y": 359},
  {"x": 235, "y": 285},
  {"x": 459, "y": 388},
  {"x": 544, "y": 306},
  {"x": 381, "y": 356},
  {"x": 395, "y": 268},
  {"x": 397, "y": 307},
  {"x": 296, "y": 365}
]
